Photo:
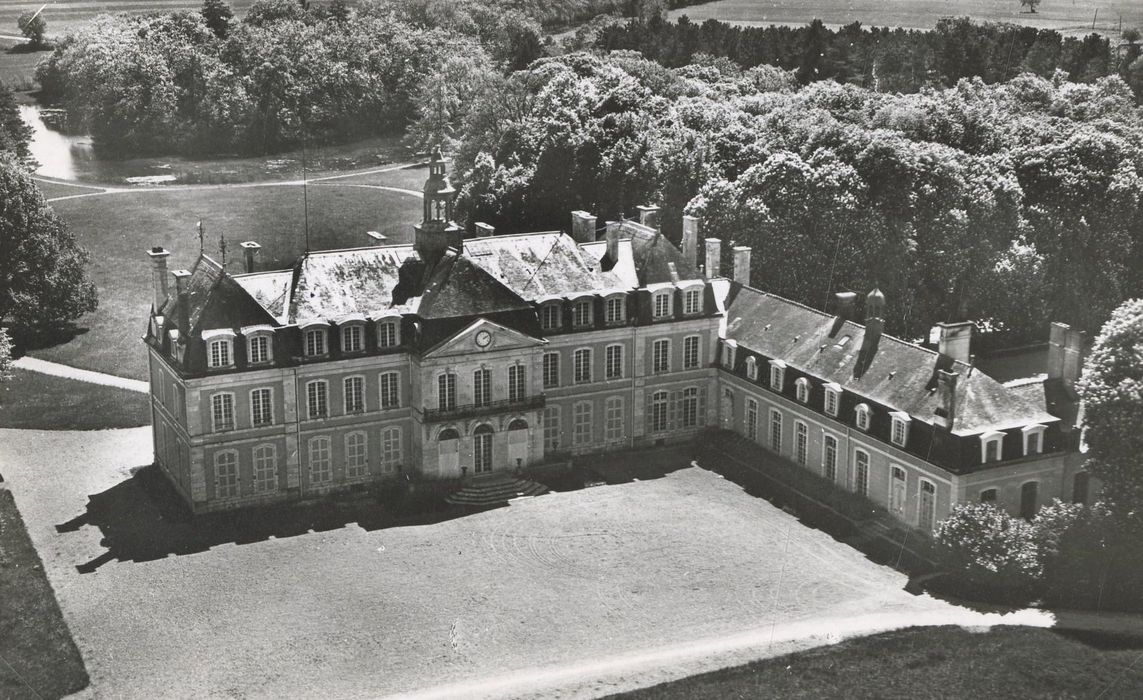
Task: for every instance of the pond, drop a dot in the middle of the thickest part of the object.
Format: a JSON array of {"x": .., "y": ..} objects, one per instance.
[{"x": 74, "y": 158}]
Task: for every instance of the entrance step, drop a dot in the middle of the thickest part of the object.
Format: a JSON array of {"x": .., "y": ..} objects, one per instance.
[{"x": 494, "y": 490}]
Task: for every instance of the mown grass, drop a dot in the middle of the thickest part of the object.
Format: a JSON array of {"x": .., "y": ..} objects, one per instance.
[
  {"x": 941, "y": 662},
  {"x": 119, "y": 228},
  {"x": 40, "y": 659},
  {"x": 17, "y": 68},
  {"x": 41, "y": 402}
]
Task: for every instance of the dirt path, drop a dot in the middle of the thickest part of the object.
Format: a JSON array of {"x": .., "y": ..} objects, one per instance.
[{"x": 83, "y": 375}]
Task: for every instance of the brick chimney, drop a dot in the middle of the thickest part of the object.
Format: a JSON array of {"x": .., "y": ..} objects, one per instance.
[
  {"x": 874, "y": 324},
  {"x": 484, "y": 230},
  {"x": 844, "y": 303},
  {"x": 612, "y": 237},
  {"x": 182, "y": 278},
  {"x": 713, "y": 257},
  {"x": 742, "y": 264},
  {"x": 955, "y": 340},
  {"x": 249, "y": 250},
  {"x": 649, "y": 216},
  {"x": 1065, "y": 353},
  {"x": 159, "y": 289},
  {"x": 946, "y": 394},
  {"x": 583, "y": 227},
  {"x": 689, "y": 243}
]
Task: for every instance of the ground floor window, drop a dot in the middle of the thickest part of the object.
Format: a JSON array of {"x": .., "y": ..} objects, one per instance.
[
  {"x": 581, "y": 423},
  {"x": 356, "y": 455},
  {"x": 752, "y": 419},
  {"x": 861, "y": 472},
  {"x": 689, "y": 406},
  {"x": 321, "y": 471},
  {"x": 926, "y": 510},
  {"x": 659, "y": 412},
  {"x": 829, "y": 457},
  {"x": 1029, "y": 493},
  {"x": 551, "y": 428},
  {"x": 801, "y": 440},
  {"x": 390, "y": 449},
  {"x": 1080, "y": 488},
  {"x": 897, "y": 489},
  {"x": 482, "y": 449},
  {"x": 226, "y": 474},
  {"x": 265, "y": 468},
  {"x": 614, "y": 426},
  {"x": 775, "y": 431}
]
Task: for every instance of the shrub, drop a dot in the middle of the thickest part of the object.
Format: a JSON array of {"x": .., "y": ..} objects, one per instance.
[{"x": 988, "y": 552}]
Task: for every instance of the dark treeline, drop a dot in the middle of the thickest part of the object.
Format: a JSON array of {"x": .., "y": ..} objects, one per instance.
[{"x": 890, "y": 60}]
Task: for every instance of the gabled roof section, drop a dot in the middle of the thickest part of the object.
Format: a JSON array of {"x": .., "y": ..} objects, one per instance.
[
  {"x": 535, "y": 265},
  {"x": 464, "y": 341},
  {"x": 271, "y": 290},
  {"x": 333, "y": 284},
  {"x": 652, "y": 253},
  {"x": 459, "y": 287},
  {"x": 622, "y": 274},
  {"x": 215, "y": 300},
  {"x": 900, "y": 375}
]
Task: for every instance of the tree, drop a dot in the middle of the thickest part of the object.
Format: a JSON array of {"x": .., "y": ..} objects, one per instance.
[
  {"x": 42, "y": 276},
  {"x": 988, "y": 551},
  {"x": 5, "y": 355},
  {"x": 1030, "y": 4},
  {"x": 14, "y": 132},
  {"x": 217, "y": 15},
  {"x": 33, "y": 26}
]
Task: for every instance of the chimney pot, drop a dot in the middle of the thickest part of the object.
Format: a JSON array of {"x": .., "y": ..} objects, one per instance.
[
  {"x": 690, "y": 239},
  {"x": 182, "y": 278},
  {"x": 649, "y": 216},
  {"x": 159, "y": 289},
  {"x": 955, "y": 340},
  {"x": 742, "y": 264},
  {"x": 713, "y": 257},
  {"x": 1065, "y": 353},
  {"x": 484, "y": 230},
  {"x": 946, "y": 390},
  {"x": 583, "y": 227},
  {"x": 611, "y": 235},
  {"x": 250, "y": 249}
]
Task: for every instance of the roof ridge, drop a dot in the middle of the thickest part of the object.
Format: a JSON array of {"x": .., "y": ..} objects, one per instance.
[{"x": 315, "y": 253}]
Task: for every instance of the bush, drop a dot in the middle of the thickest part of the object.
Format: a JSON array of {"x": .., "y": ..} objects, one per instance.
[{"x": 987, "y": 550}]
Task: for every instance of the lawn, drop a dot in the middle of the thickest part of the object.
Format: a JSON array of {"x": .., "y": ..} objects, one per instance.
[
  {"x": 17, "y": 68},
  {"x": 1005, "y": 662},
  {"x": 40, "y": 658},
  {"x": 560, "y": 580},
  {"x": 38, "y": 401},
  {"x": 1071, "y": 17},
  {"x": 118, "y": 229}
]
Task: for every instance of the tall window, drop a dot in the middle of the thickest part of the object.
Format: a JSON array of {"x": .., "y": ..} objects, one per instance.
[
  {"x": 356, "y": 455},
  {"x": 927, "y": 508},
  {"x": 265, "y": 468},
  {"x": 752, "y": 368},
  {"x": 613, "y": 428},
  {"x": 317, "y": 399},
  {"x": 551, "y": 369},
  {"x": 692, "y": 302},
  {"x": 482, "y": 449},
  {"x": 900, "y": 434},
  {"x": 321, "y": 469},
  {"x": 729, "y": 350},
  {"x": 663, "y": 303},
  {"x": 315, "y": 342},
  {"x": 659, "y": 401},
  {"x": 614, "y": 361},
  {"x": 226, "y": 474},
  {"x": 582, "y": 364},
  {"x": 775, "y": 431},
  {"x": 222, "y": 411},
  {"x": 988, "y": 496},
  {"x": 352, "y": 339},
  {"x": 550, "y": 316},
  {"x": 1080, "y": 486},
  {"x": 482, "y": 387},
  {"x": 1029, "y": 497},
  {"x": 446, "y": 391},
  {"x": 802, "y": 389},
  {"x": 258, "y": 349},
  {"x": 897, "y": 491},
  {"x": 261, "y": 407},
  {"x": 661, "y": 356},
  {"x": 832, "y": 396},
  {"x": 777, "y": 375},
  {"x": 689, "y": 407},
  {"x": 861, "y": 472},
  {"x": 551, "y": 428},
  {"x": 581, "y": 423},
  {"x": 615, "y": 310},
  {"x": 691, "y": 352},
  {"x": 354, "y": 394},
  {"x": 829, "y": 457},
  {"x": 387, "y": 336},
  {"x": 801, "y": 440},
  {"x": 581, "y": 313},
  {"x": 516, "y": 389},
  {"x": 861, "y": 416},
  {"x": 390, "y": 449},
  {"x": 220, "y": 354},
  {"x": 752, "y": 419},
  {"x": 390, "y": 390}
]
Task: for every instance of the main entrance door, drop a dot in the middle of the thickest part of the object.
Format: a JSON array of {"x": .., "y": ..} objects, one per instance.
[
  {"x": 482, "y": 449},
  {"x": 518, "y": 443}
]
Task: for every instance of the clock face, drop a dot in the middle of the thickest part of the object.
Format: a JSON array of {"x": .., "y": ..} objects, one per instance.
[{"x": 483, "y": 339}]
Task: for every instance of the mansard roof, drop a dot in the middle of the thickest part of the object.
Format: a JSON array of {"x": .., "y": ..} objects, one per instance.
[
  {"x": 653, "y": 254},
  {"x": 535, "y": 265},
  {"x": 215, "y": 300},
  {"x": 329, "y": 285},
  {"x": 900, "y": 375}
]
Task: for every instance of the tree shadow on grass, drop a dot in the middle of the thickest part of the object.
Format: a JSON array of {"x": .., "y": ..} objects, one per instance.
[
  {"x": 144, "y": 519},
  {"x": 26, "y": 339}
]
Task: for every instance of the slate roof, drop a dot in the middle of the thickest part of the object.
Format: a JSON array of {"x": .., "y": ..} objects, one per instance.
[
  {"x": 334, "y": 284},
  {"x": 461, "y": 288},
  {"x": 215, "y": 300},
  {"x": 271, "y": 290},
  {"x": 535, "y": 265},
  {"x": 900, "y": 375},
  {"x": 652, "y": 253}
]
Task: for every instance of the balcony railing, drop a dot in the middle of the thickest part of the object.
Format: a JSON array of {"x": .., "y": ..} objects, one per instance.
[{"x": 470, "y": 410}]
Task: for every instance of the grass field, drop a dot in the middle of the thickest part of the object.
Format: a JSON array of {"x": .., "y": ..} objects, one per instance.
[
  {"x": 557, "y": 580},
  {"x": 119, "y": 228},
  {"x": 1065, "y": 16},
  {"x": 1005, "y": 662},
  {"x": 18, "y": 68},
  {"x": 39, "y": 401},
  {"x": 40, "y": 658}
]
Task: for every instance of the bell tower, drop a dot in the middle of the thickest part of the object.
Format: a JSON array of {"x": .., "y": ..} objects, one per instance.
[{"x": 437, "y": 232}]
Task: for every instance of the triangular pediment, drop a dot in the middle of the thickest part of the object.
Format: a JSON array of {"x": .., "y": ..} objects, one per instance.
[{"x": 481, "y": 336}]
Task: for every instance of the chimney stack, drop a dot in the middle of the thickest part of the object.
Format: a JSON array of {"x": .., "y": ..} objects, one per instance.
[
  {"x": 946, "y": 393},
  {"x": 250, "y": 249},
  {"x": 612, "y": 237},
  {"x": 484, "y": 230},
  {"x": 159, "y": 287},
  {"x": 690, "y": 239},
  {"x": 649, "y": 216},
  {"x": 742, "y": 264},
  {"x": 583, "y": 227},
  {"x": 1065, "y": 353},
  {"x": 713, "y": 257},
  {"x": 182, "y": 277},
  {"x": 955, "y": 340},
  {"x": 845, "y": 302},
  {"x": 874, "y": 324}
]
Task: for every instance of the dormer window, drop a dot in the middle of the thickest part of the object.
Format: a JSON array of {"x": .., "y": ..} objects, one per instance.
[
  {"x": 550, "y": 316},
  {"x": 992, "y": 447},
  {"x": 1034, "y": 439},
  {"x": 258, "y": 350},
  {"x": 730, "y": 348},
  {"x": 663, "y": 303},
  {"x": 832, "y": 398},
  {"x": 777, "y": 374},
  {"x": 581, "y": 313},
  {"x": 752, "y": 369},
  {"x": 219, "y": 348},
  {"x": 861, "y": 416},
  {"x": 802, "y": 388},
  {"x": 692, "y": 301},
  {"x": 388, "y": 334},
  {"x": 899, "y": 432},
  {"x": 616, "y": 310},
  {"x": 352, "y": 338},
  {"x": 315, "y": 342}
]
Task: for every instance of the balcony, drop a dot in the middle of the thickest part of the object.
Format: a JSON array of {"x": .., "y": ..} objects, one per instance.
[{"x": 471, "y": 410}]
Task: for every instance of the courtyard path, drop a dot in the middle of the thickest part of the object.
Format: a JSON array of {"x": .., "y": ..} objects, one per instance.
[{"x": 55, "y": 369}]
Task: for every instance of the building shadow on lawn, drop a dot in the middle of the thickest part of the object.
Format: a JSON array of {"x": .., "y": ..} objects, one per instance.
[{"x": 144, "y": 519}]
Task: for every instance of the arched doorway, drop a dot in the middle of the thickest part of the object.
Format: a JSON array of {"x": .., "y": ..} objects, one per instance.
[
  {"x": 482, "y": 449},
  {"x": 518, "y": 443},
  {"x": 448, "y": 452}
]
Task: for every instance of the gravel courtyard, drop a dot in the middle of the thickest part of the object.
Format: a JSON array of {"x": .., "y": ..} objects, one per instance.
[{"x": 555, "y": 581}]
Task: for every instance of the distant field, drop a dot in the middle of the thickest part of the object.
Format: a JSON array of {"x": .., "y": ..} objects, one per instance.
[
  {"x": 1065, "y": 16},
  {"x": 64, "y": 15},
  {"x": 17, "y": 70}
]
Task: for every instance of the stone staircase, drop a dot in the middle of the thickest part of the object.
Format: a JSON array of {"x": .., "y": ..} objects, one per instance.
[{"x": 494, "y": 490}]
